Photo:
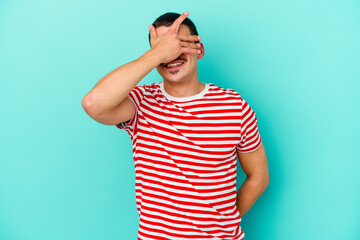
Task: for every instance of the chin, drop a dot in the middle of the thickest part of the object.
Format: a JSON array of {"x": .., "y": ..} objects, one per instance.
[{"x": 175, "y": 77}]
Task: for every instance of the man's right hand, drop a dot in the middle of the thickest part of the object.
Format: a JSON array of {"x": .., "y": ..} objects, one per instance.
[
  {"x": 171, "y": 45},
  {"x": 108, "y": 101}
]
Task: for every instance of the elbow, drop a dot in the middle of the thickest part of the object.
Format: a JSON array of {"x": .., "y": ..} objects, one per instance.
[
  {"x": 263, "y": 184},
  {"x": 266, "y": 181},
  {"x": 87, "y": 105},
  {"x": 260, "y": 182}
]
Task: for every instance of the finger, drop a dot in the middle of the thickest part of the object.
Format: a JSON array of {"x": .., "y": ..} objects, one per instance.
[
  {"x": 176, "y": 24},
  {"x": 190, "y": 50},
  {"x": 152, "y": 31},
  {"x": 190, "y": 45},
  {"x": 189, "y": 38}
]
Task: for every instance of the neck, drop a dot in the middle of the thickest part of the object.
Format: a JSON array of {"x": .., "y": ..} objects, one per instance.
[{"x": 187, "y": 88}]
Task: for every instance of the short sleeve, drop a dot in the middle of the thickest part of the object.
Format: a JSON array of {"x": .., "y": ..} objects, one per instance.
[
  {"x": 136, "y": 95},
  {"x": 250, "y": 136}
]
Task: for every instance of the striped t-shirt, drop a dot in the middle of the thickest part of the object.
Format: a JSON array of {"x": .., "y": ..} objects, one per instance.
[{"x": 185, "y": 161}]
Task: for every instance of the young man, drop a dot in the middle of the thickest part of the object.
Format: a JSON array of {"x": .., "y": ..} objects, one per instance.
[{"x": 186, "y": 135}]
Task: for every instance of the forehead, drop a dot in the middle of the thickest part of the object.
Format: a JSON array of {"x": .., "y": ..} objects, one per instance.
[{"x": 183, "y": 30}]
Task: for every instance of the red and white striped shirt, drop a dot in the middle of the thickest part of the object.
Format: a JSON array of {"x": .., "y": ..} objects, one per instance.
[{"x": 185, "y": 161}]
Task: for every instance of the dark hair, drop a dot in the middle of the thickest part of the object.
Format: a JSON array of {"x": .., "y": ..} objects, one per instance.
[{"x": 167, "y": 20}]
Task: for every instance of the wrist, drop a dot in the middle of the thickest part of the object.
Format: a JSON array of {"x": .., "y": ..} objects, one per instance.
[{"x": 153, "y": 56}]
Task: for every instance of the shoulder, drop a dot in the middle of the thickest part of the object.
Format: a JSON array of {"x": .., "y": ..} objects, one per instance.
[
  {"x": 146, "y": 88},
  {"x": 228, "y": 92},
  {"x": 151, "y": 88}
]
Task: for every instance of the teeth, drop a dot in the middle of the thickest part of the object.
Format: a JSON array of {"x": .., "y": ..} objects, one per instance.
[{"x": 174, "y": 64}]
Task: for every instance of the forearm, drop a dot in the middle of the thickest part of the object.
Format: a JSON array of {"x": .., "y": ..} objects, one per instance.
[
  {"x": 249, "y": 192},
  {"x": 112, "y": 89}
]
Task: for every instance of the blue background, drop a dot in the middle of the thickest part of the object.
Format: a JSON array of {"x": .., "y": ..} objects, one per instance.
[{"x": 65, "y": 176}]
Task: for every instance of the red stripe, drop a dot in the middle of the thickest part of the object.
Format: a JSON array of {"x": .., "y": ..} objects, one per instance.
[{"x": 199, "y": 165}]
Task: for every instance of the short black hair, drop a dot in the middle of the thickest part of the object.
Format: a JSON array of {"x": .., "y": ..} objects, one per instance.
[{"x": 167, "y": 20}]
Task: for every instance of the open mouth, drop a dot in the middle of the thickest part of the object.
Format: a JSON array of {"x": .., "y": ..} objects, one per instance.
[
  {"x": 171, "y": 65},
  {"x": 174, "y": 64}
]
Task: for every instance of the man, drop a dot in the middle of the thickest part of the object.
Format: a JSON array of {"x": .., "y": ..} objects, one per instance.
[{"x": 186, "y": 135}]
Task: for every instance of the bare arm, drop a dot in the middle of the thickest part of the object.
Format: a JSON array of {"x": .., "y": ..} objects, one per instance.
[
  {"x": 255, "y": 167},
  {"x": 108, "y": 101},
  {"x": 113, "y": 88}
]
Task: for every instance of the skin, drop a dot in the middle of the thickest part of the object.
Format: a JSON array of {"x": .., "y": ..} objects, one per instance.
[
  {"x": 255, "y": 166},
  {"x": 108, "y": 101},
  {"x": 185, "y": 82},
  {"x": 182, "y": 82}
]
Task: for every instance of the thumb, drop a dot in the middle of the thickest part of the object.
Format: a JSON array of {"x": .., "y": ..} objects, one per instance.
[{"x": 152, "y": 31}]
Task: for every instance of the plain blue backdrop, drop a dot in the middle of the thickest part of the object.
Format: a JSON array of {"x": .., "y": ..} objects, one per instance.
[{"x": 65, "y": 176}]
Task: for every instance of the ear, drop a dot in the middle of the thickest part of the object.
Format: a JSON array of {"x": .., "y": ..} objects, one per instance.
[{"x": 202, "y": 49}]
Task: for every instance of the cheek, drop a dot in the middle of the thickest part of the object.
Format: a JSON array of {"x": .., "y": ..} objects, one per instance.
[{"x": 193, "y": 61}]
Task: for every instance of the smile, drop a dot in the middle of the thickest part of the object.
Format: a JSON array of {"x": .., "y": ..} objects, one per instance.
[{"x": 174, "y": 65}]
